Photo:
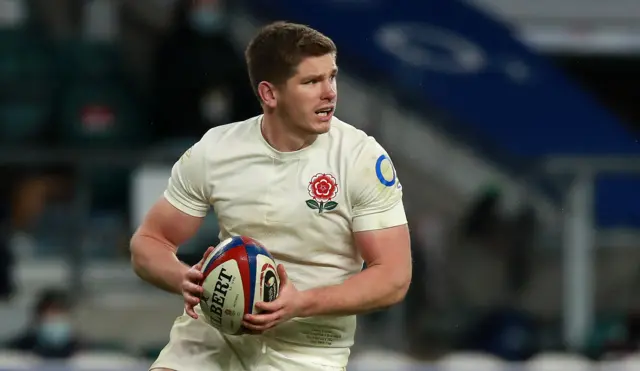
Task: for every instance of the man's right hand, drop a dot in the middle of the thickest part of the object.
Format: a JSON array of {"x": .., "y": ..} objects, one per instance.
[{"x": 191, "y": 286}]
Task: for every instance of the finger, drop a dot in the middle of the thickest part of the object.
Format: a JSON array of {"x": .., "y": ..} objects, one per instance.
[
  {"x": 251, "y": 328},
  {"x": 206, "y": 254},
  {"x": 199, "y": 266},
  {"x": 251, "y": 332},
  {"x": 270, "y": 306},
  {"x": 192, "y": 288},
  {"x": 190, "y": 298},
  {"x": 282, "y": 274},
  {"x": 194, "y": 275},
  {"x": 204, "y": 257},
  {"x": 258, "y": 329},
  {"x": 189, "y": 309},
  {"x": 262, "y": 319}
]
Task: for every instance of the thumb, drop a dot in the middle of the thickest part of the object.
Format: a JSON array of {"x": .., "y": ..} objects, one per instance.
[{"x": 282, "y": 274}]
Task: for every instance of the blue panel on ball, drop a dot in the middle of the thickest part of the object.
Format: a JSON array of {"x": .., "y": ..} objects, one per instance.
[{"x": 235, "y": 242}]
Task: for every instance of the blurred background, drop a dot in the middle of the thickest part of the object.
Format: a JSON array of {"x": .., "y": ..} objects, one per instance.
[{"x": 512, "y": 123}]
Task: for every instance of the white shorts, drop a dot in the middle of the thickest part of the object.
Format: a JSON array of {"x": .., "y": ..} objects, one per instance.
[{"x": 196, "y": 346}]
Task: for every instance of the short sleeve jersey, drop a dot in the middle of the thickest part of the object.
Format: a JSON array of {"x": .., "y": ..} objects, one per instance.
[{"x": 304, "y": 206}]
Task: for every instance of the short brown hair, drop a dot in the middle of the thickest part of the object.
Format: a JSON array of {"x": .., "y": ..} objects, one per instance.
[{"x": 275, "y": 52}]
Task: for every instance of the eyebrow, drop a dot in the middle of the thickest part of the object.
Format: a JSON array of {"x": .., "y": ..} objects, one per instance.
[{"x": 320, "y": 75}]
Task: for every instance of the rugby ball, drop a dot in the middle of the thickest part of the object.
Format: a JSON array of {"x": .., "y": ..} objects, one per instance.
[{"x": 238, "y": 273}]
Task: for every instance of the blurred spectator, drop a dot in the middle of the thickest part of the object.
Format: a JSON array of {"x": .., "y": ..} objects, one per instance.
[
  {"x": 57, "y": 18},
  {"x": 30, "y": 192},
  {"x": 522, "y": 241},
  {"x": 504, "y": 332},
  {"x": 430, "y": 249},
  {"x": 610, "y": 337},
  {"x": 483, "y": 220},
  {"x": 51, "y": 333},
  {"x": 142, "y": 23},
  {"x": 6, "y": 265},
  {"x": 200, "y": 79}
]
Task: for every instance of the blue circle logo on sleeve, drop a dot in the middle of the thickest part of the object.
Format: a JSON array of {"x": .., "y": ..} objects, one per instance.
[{"x": 385, "y": 172}]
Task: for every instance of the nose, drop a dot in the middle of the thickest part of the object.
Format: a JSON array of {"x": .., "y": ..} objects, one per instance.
[{"x": 329, "y": 92}]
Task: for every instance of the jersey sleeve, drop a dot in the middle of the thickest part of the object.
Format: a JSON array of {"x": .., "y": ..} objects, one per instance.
[
  {"x": 375, "y": 191},
  {"x": 187, "y": 188}
]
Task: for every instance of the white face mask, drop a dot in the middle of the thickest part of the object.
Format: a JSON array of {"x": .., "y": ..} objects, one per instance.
[{"x": 54, "y": 332}]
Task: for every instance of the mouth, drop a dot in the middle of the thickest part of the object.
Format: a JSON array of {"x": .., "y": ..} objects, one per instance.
[{"x": 325, "y": 112}]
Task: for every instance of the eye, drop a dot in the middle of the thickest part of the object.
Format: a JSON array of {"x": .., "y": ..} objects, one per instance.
[{"x": 311, "y": 82}]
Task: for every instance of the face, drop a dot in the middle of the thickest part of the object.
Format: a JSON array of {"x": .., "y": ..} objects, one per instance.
[
  {"x": 307, "y": 101},
  {"x": 54, "y": 328},
  {"x": 206, "y": 16},
  {"x": 54, "y": 314}
]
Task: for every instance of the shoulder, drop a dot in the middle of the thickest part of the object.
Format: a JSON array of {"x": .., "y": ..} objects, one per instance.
[
  {"x": 351, "y": 139},
  {"x": 216, "y": 140},
  {"x": 21, "y": 342},
  {"x": 354, "y": 142},
  {"x": 234, "y": 130}
]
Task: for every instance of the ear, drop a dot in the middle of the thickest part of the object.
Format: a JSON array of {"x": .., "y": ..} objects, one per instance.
[{"x": 268, "y": 94}]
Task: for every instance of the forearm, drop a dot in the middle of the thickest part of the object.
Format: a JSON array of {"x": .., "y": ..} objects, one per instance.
[
  {"x": 369, "y": 290},
  {"x": 157, "y": 263}
]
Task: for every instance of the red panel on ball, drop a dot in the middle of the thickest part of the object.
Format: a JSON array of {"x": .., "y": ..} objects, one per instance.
[{"x": 239, "y": 254}]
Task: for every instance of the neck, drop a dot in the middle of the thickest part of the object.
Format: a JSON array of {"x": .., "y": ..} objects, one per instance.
[{"x": 282, "y": 136}]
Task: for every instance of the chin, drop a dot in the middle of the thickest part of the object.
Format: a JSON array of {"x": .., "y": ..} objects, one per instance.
[{"x": 320, "y": 127}]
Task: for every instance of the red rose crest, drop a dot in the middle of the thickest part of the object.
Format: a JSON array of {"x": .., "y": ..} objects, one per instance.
[{"x": 323, "y": 188}]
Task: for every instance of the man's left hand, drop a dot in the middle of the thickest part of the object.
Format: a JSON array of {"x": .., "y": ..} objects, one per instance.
[{"x": 286, "y": 306}]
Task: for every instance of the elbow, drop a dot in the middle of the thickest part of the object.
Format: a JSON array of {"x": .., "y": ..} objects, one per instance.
[
  {"x": 399, "y": 288},
  {"x": 137, "y": 259}
]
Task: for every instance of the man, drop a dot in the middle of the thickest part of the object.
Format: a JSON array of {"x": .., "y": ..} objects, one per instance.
[
  {"x": 199, "y": 77},
  {"x": 51, "y": 333},
  {"x": 321, "y": 195}
]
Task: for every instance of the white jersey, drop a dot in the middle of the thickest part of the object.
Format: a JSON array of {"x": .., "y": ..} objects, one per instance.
[{"x": 303, "y": 206}]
